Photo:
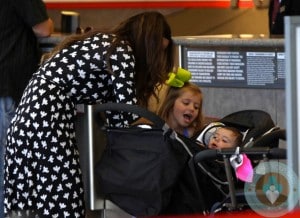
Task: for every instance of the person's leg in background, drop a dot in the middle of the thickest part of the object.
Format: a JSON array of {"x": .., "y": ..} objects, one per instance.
[{"x": 7, "y": 111}]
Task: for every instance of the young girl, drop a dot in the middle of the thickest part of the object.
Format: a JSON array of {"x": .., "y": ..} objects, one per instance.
[{"x": 182, "y": 109}]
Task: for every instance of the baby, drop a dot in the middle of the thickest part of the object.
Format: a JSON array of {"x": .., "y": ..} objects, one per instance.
[
  {"x": 225, "y": 137},
  {"x": 230, "y": 137}
]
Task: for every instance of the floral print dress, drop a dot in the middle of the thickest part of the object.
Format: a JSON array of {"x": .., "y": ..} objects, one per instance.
[{"x": 42, "y": 170}]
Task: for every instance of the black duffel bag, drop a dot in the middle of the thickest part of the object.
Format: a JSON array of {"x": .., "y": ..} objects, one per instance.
[{"x": 139, "y": 166}]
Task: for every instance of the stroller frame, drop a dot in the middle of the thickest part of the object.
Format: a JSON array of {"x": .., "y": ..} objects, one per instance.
[{"x": 224, "y": 154}]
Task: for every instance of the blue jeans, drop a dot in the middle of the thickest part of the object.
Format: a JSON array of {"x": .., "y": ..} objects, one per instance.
[{"x": 7, "y": 111}]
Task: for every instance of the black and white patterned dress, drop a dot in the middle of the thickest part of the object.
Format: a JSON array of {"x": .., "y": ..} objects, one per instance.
[{"x": 42, "y": 172}]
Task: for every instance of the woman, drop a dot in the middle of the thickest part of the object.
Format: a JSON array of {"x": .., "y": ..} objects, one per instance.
[{"x": 42, "y": 171}]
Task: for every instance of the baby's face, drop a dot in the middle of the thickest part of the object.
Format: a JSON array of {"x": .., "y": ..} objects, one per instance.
[{"x": 222, "y": 138}]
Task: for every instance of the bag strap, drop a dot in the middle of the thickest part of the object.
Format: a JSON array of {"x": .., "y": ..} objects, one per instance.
[{"x": 135, "y": 109}]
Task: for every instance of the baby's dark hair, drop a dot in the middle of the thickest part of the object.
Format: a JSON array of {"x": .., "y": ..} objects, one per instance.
[{"x": 237, "y": 133}]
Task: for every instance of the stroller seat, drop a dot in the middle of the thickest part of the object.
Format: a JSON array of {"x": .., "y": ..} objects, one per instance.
[
  {"x": 253, "y": 124},
  {"x": 260, "y": 142}
]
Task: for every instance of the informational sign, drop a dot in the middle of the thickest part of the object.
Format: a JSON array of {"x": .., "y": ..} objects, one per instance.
[{"x": 236, "y": 67}]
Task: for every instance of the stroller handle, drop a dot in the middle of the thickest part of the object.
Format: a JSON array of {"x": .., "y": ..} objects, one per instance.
[
  {"x": 135, "y": 109},
  {"x": 277, "y": 153},
  {"x": 252, "y": 153}
]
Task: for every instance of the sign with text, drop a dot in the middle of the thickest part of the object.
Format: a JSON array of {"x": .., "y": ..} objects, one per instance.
[{"x": 236, "y": 67}]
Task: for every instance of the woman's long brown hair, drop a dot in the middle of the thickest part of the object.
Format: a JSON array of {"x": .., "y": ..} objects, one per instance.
[{"x": 144, "y": 32}]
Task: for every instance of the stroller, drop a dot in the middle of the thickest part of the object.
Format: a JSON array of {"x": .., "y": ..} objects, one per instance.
[
  {"x": 261, "y": 139},
  {"x": 188, "y": 195}
]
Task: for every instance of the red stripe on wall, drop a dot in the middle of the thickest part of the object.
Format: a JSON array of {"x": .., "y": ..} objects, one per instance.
[{"x": 182, "y": 4}]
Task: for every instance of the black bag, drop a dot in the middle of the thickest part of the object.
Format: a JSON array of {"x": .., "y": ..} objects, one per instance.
[
  {"x": 139, "y": 166},
  {"x": 194, "y": 190}
]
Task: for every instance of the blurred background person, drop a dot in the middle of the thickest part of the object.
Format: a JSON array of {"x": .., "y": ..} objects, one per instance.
[
  {"x": 21, "y": 23},
  {"x": 277, "y": 10}
]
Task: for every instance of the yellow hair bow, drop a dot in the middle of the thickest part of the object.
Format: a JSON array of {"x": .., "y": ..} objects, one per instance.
[{"x": 179, "y": 78}]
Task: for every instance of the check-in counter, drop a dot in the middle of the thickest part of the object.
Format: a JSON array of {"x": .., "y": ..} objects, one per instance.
[{"x": 48, "y": 43}]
